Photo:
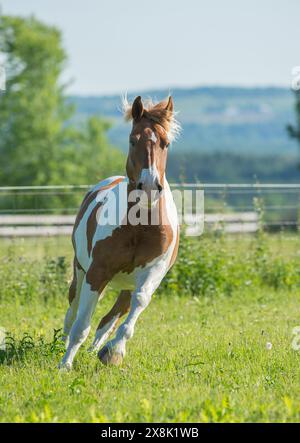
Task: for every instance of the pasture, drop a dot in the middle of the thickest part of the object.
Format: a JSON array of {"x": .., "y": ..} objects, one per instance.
[{"x": 214, "y": 345}]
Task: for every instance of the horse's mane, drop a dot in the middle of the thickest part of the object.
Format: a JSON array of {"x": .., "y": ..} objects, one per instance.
[{"x": 156, "y": 112}]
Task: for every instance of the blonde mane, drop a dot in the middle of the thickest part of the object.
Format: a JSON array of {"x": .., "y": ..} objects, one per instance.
[{"x": 156, "y": 112}]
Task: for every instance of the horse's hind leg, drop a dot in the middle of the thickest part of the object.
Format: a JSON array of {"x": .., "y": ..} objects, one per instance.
[
  {"x": 74, "y": 293},
  {"x": 110, "y": 321}
]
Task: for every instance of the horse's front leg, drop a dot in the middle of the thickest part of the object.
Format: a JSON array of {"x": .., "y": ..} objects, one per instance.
[
  {"x": 81, "y": 326},
  {"x": 74, "y": 295},
  {"x": 114, "y": 350}
]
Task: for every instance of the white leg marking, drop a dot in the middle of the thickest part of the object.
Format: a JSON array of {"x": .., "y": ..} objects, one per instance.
[
  {"x": 72, "y": 310},
  {"x": 81, "y": 327},
  {"x": 147, "y": 282},
  {"x": 153, "y": 137},
  {"x": 103, "y": 334}
]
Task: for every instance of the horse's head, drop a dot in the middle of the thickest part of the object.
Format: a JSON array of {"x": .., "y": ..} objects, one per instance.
[{"x": 153, "y": 128}]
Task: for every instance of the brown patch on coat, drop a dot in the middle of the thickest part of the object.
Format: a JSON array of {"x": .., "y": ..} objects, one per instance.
[
  {"x": 72, "y": 289},
  {"x": 89, "y": 197},
  {"x": 73, "y": 285},
  {"x": 120, "y": 308},
  {"x": 127, "y": 248}
]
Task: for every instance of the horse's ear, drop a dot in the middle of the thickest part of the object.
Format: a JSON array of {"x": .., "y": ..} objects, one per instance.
[
  {"x": 137, "y": 108},
  {"x": 170, "y": 104}
]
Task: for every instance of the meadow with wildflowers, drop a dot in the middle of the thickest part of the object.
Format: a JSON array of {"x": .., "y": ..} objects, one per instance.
[{"x": 216, "y": 344}]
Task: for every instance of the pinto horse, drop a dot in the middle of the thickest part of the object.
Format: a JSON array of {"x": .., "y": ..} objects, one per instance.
[{"x": 125, "y": 253}]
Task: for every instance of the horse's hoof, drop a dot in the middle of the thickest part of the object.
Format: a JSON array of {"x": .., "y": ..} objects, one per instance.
[{"x": 109, "y": 357}]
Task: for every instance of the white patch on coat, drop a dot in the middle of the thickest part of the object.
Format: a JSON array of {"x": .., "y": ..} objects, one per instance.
[
  {"x": 103, "y": 333},
  {"x": 149, "y": 177},
  {"x": 103, "y": 230},
  {"x": 153, "y": 137}
]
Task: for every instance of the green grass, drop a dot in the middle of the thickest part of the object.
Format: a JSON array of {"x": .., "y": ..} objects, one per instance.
[{"x": 192, "y": 358}]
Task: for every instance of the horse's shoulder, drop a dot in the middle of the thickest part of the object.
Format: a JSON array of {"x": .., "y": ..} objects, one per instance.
[
  {"x": 91, "y": 202},
  {"x": 108, "y": 183}
]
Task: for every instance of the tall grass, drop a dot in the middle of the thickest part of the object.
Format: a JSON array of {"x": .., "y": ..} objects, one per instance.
[
  {"x": 207, "y": 266},
  {"x": 212, "y": 265},
  {"x": 199, "y": 352}
]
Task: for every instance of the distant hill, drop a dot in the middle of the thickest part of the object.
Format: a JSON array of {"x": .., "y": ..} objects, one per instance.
[{"x": 246, "y": 121}]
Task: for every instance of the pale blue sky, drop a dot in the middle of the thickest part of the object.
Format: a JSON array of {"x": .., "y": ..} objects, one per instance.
[{"x": 118, "y": 45}]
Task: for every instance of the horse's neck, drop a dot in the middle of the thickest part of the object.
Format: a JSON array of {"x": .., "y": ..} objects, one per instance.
[
  {"x": 132, "y": 187},
  {"x": 164, "y": 201}
]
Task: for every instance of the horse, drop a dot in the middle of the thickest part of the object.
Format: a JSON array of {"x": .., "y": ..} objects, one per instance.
[{"x": 126, "y": 254}]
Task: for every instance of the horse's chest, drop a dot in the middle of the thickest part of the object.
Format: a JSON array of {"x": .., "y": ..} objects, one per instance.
[
  {"x": 131, "y": 247},
  {"x": 116, "y": 257}
]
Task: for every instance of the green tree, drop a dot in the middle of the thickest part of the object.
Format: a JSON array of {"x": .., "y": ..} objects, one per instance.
[{"x": 39, "y": 144}]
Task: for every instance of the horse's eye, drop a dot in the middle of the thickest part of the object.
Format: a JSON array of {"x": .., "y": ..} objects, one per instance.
[
  {"x": 132, "y": 143},
  {"x": 167, "y": 145}
]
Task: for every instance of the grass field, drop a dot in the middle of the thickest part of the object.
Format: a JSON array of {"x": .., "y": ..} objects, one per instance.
[{"x": 193, "y": 357}]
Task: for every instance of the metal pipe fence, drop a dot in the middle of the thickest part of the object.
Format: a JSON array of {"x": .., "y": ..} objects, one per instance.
[{"x": 274, "y": 206}]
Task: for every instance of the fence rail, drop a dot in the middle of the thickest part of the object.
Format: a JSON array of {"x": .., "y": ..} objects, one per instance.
[
  {"x": 172, "y": 185},
  {"x": 50, "y": 210},
  {"x": 53, "y": 225}
]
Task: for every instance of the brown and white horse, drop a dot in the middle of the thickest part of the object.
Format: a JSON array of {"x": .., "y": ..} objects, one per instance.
[{"x": 125, "y": 253}]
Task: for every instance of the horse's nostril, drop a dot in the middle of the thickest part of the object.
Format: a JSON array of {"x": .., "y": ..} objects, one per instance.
[
  {"x": 140, "y": 185},
  {"x": 159, "y": 187}
]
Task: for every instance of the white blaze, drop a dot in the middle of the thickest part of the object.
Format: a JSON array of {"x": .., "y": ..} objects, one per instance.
[
  {"x": 153, "y": 137},
  {"x": 149, "y": 178}
]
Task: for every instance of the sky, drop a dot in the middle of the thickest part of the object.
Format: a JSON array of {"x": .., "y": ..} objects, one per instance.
[{"x": 134, "y": 45}]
